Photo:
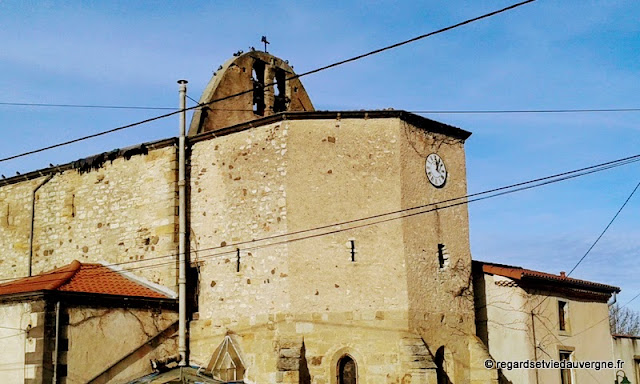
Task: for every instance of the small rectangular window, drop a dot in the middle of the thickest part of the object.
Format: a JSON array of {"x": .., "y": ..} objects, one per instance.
[
  {"x": 565, "y": 374},
  {"x": 562, "y": 315}
]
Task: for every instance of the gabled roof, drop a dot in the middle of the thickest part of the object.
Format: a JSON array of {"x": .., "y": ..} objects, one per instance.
[
  {"x": 527, "y": 275},
  {"x": 87, "y": 278}
]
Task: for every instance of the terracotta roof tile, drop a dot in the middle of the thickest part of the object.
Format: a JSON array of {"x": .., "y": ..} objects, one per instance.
[
  {"x": 85, "y": 278},
  {"x": 520, "y": 274},
  {"x": 46, "y": 281}
]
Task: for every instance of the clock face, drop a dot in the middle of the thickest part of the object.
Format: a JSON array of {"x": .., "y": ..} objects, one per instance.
[{"x": 436, "y": 171}]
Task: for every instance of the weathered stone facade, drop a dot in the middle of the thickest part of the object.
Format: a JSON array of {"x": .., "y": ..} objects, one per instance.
[
  {"x": 270, "y": 194},
  {"x": 312, "y": 236},
  {"x": 122, "y": 212}
]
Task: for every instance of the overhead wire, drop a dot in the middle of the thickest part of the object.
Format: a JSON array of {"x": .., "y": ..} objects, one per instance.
[
  {"x": 426, "y": 111},
  {"x": 86, "y": 106},
  {"x": 370, "y": 220},
  {"x": 507, "y": 111},
  {"x": 605, "y": 229},
  {"x": 292, "y": 77},
  {"x": 595, "y": 242}
]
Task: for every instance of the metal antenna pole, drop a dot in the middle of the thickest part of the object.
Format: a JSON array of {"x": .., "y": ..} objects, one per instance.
[{"x": 182, "y": 223}]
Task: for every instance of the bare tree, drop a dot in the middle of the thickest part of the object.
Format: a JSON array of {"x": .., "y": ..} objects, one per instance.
[{"x": 624, "y": 321}]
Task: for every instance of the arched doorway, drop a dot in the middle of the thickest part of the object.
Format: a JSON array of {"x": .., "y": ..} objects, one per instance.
[{"x": 347, "y": 370}]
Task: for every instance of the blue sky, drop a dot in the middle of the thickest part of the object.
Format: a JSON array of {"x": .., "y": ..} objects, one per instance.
[{"x": 545, "y": 55}]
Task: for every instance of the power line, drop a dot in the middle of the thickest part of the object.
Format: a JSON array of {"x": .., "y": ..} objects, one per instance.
[
  {"x": 605, "y": 229},
  {"x": 196, "y": 101},
  {"x": 573, "y": 334},
  {"x": 560, "y": 343},
  {"x": 432, "y": 111},
  {"x": 595, "y": 242},
  {"x": 86, "y": 106},
  {"x": 296, "y": 76},
  {"x": 381, "y": 218},
  {"x": 506, "y": 111}
]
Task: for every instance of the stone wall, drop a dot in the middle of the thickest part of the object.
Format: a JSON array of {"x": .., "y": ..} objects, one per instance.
[
  {"x": 294, "y": 198},
  {"x": 122, "y": 212},
  {"x": 290, "y": 237}
]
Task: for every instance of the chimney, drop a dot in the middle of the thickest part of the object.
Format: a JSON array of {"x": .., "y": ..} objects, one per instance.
[{"x": 562, "y": 274}]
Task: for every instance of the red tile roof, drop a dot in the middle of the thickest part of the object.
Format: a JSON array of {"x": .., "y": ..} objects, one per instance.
[
  {"x": 85, "y": 278},
  {"x": 522, "y": 274}
]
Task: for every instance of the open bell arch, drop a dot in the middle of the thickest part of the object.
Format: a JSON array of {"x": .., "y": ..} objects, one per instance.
[{"x": 265, "y": 85}]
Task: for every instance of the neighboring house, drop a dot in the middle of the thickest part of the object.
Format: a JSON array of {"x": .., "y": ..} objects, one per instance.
[
  {"x": 627, "y": 349},
  {"x": 320, "y": 247},
  {"x": 82, "y": 323},
  {"x": 529, "y": 315}
]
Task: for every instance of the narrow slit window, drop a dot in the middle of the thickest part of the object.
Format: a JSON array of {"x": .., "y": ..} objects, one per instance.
[
  {"x": 353, "y": 250},
  {"x": 443, "y": 256},
  {"x": 562, "y": 315}
]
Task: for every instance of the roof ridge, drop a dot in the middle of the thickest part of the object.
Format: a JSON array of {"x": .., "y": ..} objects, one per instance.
[
  {"x": 74, "y": 267},
  {"x": 139, "y": 280}
]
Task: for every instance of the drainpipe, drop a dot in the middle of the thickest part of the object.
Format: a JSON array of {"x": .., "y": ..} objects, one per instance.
[
  {"x": 615, "y": 299},
  {"x": 182, "y": 230},
  {"x": 535, "y": 343},
  {"x": 55, "y": 347},
  {"x": 33, "y": 217}
]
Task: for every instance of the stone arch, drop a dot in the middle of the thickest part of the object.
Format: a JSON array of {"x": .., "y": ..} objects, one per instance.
[
  {"x": 266, "y": 88},
  {"x": 347, "y": 370},
  {"x": 226, "y": 362},
  {"x": 342, "y": 356}
]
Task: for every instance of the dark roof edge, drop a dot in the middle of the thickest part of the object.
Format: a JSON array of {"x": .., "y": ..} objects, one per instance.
[
  {"x": 69, "y": 166},
  {"x": 91, "y": 299},
  {"x": 621, "y": 336},
  {"x": 575, "y": 283},
  {"x": 480, "y": 263},
  {"x": 555, "y": 280},
  {"x": 412, "y": 118}
]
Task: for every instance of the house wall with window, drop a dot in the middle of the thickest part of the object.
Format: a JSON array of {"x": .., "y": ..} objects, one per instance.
[
  {"x": 530, "y": 315},
  {"x": 627, "y": 349}
]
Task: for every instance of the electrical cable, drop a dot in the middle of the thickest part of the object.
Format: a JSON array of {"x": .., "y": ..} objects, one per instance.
[
  {"x": 89, "y": 106},
  {"x": 560, "y": 343},
  {"x": 605, "y": 229},
  {"x": 381, "y": 218},
  {"x": 434, "y": 111},
  {"x": 595, "y": 242},
  {"x": 295, "y": 76},
  {"x": 503, "y": 111}
]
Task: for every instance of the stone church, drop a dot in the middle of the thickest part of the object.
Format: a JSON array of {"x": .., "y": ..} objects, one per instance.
[{"x": 327, "y": 247}]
